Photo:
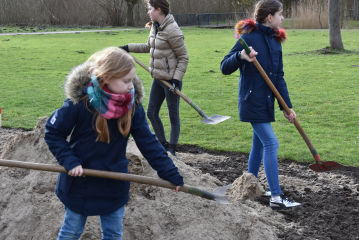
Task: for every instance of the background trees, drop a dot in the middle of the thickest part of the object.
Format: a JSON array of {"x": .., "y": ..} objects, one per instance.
[{"x": 304, "y": 13}]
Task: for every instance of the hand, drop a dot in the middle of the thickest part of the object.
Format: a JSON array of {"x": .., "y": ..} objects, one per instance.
[
  {"x": 175, "y": 85},
  {"x": 250, "y": 57},
  {"x": 290, "y": 117},
  {"x": 176, "y": 189},
  {"x": 125, "y": 48},
  {"x": 76, "y": 172}
]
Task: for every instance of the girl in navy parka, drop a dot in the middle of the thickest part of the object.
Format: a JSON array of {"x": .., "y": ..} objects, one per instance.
[
  {"x": 102, "y": 108},
  {"x": 255, "y": 99}
]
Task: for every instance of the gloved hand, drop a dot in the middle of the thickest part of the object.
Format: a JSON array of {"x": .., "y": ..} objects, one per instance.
[
  {"x": 290, "y": 117},
  {"x": 125, "y": 48},
  {"x": 175, "y": 85}
]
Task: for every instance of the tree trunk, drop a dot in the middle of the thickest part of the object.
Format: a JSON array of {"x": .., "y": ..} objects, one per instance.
[
  {"x": 130, "y": 6},
  {"x": 335, "y": 37},
  {"x": 356, "y": 10}
]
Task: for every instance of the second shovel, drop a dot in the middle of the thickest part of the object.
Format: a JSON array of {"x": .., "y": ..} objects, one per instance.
[{"x": 208, "y": 120}]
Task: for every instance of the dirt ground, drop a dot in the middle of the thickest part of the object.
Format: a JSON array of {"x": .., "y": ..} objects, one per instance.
[
  {"x": 330, "y": 200},
  {"x": 28, "y": 206}
]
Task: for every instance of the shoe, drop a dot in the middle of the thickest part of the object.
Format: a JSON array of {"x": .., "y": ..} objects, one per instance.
[
  {"x": 267, "y": 194},
  {"x": 165, "y": 145},
  {"x": 282, "y": 202},
  {"x": 172, "y": 149}
]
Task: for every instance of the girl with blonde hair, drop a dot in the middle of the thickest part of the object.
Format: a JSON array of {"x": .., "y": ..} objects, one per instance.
[{"x": 103, "y": 107}]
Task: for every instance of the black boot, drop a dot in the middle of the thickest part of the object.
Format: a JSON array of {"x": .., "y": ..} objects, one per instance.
[
  {"x": 165, "y": 145},
  {"x": 172, "y": 149}
]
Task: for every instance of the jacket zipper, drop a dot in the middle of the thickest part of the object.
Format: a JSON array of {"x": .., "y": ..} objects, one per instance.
[
  {"x": 168, "y": 67},
  {"x": 154, "y": 48}
]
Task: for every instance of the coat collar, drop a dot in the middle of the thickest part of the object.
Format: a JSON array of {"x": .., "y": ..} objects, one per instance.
[
  {"x": 79, "y": 77},
  {"x": 249, "y": 25},
  {"x": 167, "y": 21}
]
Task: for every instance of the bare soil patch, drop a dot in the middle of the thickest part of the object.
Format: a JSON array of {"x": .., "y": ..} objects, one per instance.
[
  {"x": 30, "y": 209},
  {"x": 330, "y": 200}
]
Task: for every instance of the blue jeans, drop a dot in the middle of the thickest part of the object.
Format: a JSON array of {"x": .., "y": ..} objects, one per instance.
[
  {"x": 265, "y": 146},
  {"x": 158, "y": 93},
  {"x": 74, "y": 224}
]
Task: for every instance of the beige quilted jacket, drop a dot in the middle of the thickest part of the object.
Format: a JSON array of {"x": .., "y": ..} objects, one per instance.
[{"x": 169, "y": 57}]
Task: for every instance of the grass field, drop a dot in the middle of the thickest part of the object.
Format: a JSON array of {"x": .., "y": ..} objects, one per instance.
[{"x": 323, "y": 87}]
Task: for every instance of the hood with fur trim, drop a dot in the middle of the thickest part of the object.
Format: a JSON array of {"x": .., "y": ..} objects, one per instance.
[
  {"x": 248, "y": 25},
  {"x": 79, "y": 77}
]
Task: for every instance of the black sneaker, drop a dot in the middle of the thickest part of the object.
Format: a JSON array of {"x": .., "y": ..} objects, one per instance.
[
  {"x": 172, "y": 149},
  {"x": 282, "y": 202}
]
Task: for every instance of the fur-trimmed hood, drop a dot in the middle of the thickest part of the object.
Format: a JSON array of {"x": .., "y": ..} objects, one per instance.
[
  {"x": 79, "y": 77},
  {"x": 248, "y": 25}
]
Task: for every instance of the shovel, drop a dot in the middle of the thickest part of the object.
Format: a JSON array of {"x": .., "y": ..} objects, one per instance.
[
  {"x": 209, "y": 120},
  {"x": 319, "y": 166},
  {"x": 223, "y": 199}
]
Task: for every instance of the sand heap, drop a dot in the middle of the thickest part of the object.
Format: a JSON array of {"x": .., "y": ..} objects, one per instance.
[
  {"x": 29, "y": 208},
  {"x": 245, "y": 187}
]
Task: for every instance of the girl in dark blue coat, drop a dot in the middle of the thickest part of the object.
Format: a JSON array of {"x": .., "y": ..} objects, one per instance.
[
  {"x": 103, "y": 107},
  {"x": 255, "y": 99}
]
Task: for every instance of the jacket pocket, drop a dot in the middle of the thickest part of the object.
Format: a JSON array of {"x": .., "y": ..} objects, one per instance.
[
  {"x": 249, "y": 91},
  {"x": 167, "y": 65},
  {"x": 64, "y": 182}
]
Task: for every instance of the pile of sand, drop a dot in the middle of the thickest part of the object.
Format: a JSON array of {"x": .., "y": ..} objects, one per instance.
[
  {"x": 29, "y": 208},
  {"x": 245, "y": 187}
]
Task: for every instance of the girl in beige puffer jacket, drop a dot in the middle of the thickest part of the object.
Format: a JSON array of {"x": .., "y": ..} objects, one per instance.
[{"x": 169, "y": 59}]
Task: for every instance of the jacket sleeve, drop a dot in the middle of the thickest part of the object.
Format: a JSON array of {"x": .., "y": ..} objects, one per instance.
[
  {"x": 152, "y": 149},
  {"x": 140, "y": 47},
  {"x": 58, "y": 127},
  {"x": 282, "y": 85},
  {"x": 232, "y": 61},
  {"x": 176, "y": 41}
]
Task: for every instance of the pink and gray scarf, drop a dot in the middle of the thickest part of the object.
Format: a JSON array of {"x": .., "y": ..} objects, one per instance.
[{"x": 109, "y": 105}]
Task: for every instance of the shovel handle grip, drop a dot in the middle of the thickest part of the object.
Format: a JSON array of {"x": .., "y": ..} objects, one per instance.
[
  {"x": 244, "y": 45},
  {"x": 282, "y": 102}
]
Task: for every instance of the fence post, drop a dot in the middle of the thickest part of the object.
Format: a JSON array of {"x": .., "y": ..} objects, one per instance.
[
  {"x": 217, "y": 19},
  {"x": 197, "y": 19},
  {"x": 208, "y": 19}
]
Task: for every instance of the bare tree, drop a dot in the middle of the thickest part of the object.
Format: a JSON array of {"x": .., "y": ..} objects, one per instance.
[
  {"x": 335, "y": 37},
  {"x": 130, "y": 6},
  {"x": 356, "y": 10},
  {"x": 113, "y": 9}
]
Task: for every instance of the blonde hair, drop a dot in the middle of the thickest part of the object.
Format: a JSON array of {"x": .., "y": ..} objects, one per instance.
[{"x": 112, "y": 62}]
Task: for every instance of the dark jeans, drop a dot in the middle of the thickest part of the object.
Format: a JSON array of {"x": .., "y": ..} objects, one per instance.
[{"x": 158, "y": 93}]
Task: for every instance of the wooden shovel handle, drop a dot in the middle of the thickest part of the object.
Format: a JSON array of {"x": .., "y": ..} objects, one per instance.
[
  {"x": 111, "y": 175},
  {"x": 178, "y": 92},
  {"x": 282, "y": 102}
]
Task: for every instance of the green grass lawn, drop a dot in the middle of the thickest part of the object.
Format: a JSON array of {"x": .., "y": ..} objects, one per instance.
[{"x": 323, "y": 87}]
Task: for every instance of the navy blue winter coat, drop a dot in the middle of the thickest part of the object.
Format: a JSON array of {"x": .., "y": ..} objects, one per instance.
[
  {"x": 90, "y": 195},
  {"x": 255, "y": 98}
]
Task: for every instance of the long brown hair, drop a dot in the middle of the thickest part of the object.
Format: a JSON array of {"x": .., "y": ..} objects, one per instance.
[
  {"x": 264, "y": 8},
  {"x": 113, "y": 62}
]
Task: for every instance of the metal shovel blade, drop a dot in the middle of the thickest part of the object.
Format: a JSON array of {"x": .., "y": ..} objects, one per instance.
[
  {"x": 327, "y": 166},
  {"x": 215, "y": 119},
  {"x": 220, "y": 197}
]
